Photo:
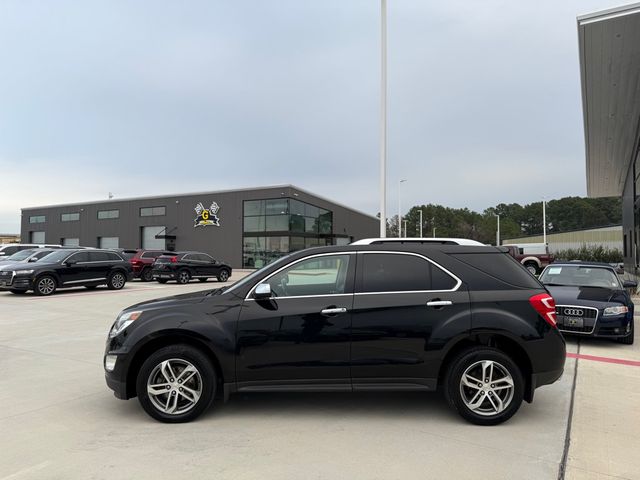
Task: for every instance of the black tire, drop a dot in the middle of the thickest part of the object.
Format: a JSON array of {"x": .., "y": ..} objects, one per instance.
[
  {"x": 146, "y": 275},
  {"x": 90, "y": 287},
  {"x": 223, "y": 276},
  {"x": 18, "y": 292},
  {"x": 628, "y": 340},
  {"x": 532, "y": 267},
  {"x": 116, "y": 281},
  {"x": 205, "y": 381},
  {"x": 183, "y": 276},
  {"x": 162, "y": 280},
  {"x": 470, "y": 360},
  {"x": 45, "y": 285},
  {"x": 203, "y": 279}
]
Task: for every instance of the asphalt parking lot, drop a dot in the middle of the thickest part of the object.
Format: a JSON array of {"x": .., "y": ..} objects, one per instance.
[{"x": 60, "y": 421}]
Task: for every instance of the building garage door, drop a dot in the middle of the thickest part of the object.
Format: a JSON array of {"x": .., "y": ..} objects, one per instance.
[
  {"x": 149, "y": 240},
  {"x": 70, "y": 242},
  {"x": 37, "y": 237},
  {"x": 109, "y": 242}
]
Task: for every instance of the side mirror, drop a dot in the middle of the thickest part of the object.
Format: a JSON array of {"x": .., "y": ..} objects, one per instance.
[
  {"x": 262, "y": 291},
  {"x": 630, "y": 284},
  {"x": 70, "y": 263}
]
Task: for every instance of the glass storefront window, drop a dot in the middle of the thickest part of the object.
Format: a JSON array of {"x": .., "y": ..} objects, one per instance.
[
  {"x": 277, "y": 223},
  {"x": 254, "y": 207},
  {"x": 277, "y": 207},
  {"x": 254, "y": 224}
]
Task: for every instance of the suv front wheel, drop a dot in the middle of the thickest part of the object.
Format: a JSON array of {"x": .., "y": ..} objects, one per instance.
[
  {"x": 176, "y": 384},
  {"x": 45, "y": 285},
  {"x": 484, "y": 385}
]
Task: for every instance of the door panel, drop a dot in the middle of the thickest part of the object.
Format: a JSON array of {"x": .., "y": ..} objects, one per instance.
[
  {"x": 290, "y": 339},
  {"x": 396, "y": 336}
]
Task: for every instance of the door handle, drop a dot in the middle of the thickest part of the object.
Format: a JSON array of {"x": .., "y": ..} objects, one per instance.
[
  {"x": 333, "y": 311},
  {"x": 439, "y": 303}
]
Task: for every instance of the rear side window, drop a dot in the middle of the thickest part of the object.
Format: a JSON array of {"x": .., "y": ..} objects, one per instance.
[
  {"x": 501, "y": 266},
  {"x": 388, "y": 272},
  {"x": 98, "y": 256}
]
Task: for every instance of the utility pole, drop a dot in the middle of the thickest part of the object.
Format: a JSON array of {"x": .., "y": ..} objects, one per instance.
[
  {"x": 405, "y": 229},
  {"x": 400, "y": 209},
  {"x": 420, "y": 222},
  {"x": 498, "y": 231},
  {"x": 544, "y": 221}
]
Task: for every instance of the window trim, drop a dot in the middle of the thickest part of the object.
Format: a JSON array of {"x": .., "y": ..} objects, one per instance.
[
  {"x": 265, "y": 279},
  {"x": 437, "y": 265}
]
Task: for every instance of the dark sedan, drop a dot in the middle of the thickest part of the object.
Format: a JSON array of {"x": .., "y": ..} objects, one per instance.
[{"x": 591, "y": 300}]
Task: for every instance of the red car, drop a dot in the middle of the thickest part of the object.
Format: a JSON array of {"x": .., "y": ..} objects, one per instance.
[{"x": 142, "y": 261}]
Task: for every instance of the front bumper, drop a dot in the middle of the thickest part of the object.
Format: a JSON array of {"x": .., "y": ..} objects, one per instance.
[
  {"x": 614, "y": 326},
  {"x": 16, "y": 283}
]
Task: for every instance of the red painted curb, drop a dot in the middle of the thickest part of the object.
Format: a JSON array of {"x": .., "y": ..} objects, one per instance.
[{"x": 594, "y": 358}]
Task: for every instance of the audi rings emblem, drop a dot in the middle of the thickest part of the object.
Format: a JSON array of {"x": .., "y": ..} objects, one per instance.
[{"x": 574, "y": 312}]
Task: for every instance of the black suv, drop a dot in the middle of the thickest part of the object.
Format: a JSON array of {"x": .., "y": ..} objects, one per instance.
[
  {"x": 67, "y": 268},
  {"x": 469, "y": 320},
  {"x": 183, "y": 266}
]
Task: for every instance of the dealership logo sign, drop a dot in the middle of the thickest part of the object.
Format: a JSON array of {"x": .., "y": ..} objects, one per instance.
[{"x": 207, "y": 217}]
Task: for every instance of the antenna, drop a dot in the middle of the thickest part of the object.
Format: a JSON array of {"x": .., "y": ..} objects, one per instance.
[{"x": 110, "y": 195}]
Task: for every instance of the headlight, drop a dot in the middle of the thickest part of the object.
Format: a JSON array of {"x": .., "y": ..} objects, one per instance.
[
  {"x": 617, "y": 310},
  {"x": 123, "y": 321},
  {"x": 23, "y": 272}
]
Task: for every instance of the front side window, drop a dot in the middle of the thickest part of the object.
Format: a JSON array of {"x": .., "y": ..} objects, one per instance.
[
  {"x": 388, "y": 272},
  {"x": 79, "y": 257},
  {"x": 325, "y": 275}
]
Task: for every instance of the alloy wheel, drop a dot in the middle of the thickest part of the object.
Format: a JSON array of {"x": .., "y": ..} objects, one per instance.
[
  {"x": 486, "y": 388},
  {"x": 224, "y": 276},
  {"x": 183, "y": 277},
  {"x": 117, "y": 281},
  {"x": 46, "y": 286},
  {"x": 174, "y": 386}
]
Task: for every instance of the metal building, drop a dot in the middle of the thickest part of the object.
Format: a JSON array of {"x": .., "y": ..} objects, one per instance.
[
  {"x": 609, "y": 43},
  {"x": 609, "y": 237},
  {"x": 247, "y": 227}
]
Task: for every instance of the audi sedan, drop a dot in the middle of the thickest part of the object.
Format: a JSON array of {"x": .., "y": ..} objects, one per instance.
[{"x": 591, "y": 300}]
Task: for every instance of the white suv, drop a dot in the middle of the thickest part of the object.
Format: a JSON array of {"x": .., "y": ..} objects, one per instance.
[{"x": 11, "y": 248}]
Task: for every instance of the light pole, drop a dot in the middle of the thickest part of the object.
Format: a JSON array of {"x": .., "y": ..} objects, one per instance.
[
  {"x": 405, "y": 228},
  {"x": 498, "y": 230},
  {"x": 400, "y": 209},
  {"x": 420, "y": 222},
  {"x": 544, "y": 221},
  {"x": 383, "y": 120}
]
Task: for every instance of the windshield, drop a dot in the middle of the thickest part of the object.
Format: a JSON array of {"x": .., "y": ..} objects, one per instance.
[
  {"x": 580, "y": 276},
  {"x": 252, "y": 276},
  {"x": 57, "y": 256},
  {"x": 21, "y": 255}
]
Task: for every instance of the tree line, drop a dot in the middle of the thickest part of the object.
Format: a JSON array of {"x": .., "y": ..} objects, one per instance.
[{"x": 564, "y": 214}]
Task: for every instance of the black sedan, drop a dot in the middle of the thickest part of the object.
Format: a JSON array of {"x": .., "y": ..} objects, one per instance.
[
  {"x": 591, "y": 300},
  {"x": 183, "y": 266}
]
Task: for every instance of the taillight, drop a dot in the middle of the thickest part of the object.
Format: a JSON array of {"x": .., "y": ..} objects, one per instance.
[
  {"x": 545, "y": 305},
  {"x": 174, "y": 259}
]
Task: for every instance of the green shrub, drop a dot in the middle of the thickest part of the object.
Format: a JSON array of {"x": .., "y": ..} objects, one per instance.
[{"x": 591, "y": 253}]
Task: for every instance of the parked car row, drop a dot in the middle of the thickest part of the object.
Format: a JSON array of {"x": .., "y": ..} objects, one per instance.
[{"x": 46, "y": 269}]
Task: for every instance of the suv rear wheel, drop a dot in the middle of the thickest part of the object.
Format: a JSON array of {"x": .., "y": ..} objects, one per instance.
[
  {"x": 183, "y": 277},
  {"x": 116, "y": 281},
  {"x": 146, "y": 275},
  {"x": 45, "y": 285},
  {"x": 484, "y": 385},
  {"x": 176, "y": 384},
  {"x": 223, "y": 276}
]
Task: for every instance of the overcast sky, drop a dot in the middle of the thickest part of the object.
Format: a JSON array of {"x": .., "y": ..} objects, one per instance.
[{"x": 154, "y": 97}]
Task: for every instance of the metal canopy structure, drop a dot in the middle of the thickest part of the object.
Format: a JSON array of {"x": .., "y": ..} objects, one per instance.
[{"x": 609, "y": 43}]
